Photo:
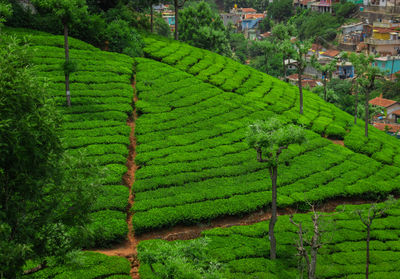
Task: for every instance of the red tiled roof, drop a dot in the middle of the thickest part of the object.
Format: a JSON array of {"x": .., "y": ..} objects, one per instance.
[
  {"x": 392, "y": 127},
  {"x": 383, "y": 30},
  {"x": 248, "y": 10},
  {"x": 397, "y": 112},
  {"x": 382, "y": 102},
  {"x": 254, "y": 16},
  {"x": 331, "y": 53},
  {"x": 316, "y": 47}
]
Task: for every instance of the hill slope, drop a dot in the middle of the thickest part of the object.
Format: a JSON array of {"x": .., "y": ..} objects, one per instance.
[
  {"x": 95, "y": 125},
  {"x": 195, "y": 164}
]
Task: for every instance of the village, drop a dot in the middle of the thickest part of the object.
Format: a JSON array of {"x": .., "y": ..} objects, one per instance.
[{"x": 375, "y": 30}]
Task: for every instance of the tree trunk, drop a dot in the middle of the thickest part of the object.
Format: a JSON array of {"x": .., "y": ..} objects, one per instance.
[
  {"x": 176, "y": 4},
  {"x": 272, "y": 222},
  {"x": 301, "y": 93},
  {"x": 325, "y": 82},
  {"x": 366, "y": 111},
  {"x": 367, "y": 252},
  {"x": 284, "y": 67},
  {"x": 151, "y": 18},
  {"x": 356, "y": 105},
  {"x": 66, "y": 47}
]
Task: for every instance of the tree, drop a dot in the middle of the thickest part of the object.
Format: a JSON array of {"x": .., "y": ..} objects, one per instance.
[
  {"x": 300, "y": 62},
  {"x": 178, "y": 4},
  {"x": 5, "y": 11},
  {"x": 366, "y": 76},
  {"x": 326, "y": 70},
  {"x": 367, "y": 218},
  {"x": 280, "y": 10},
  {"x": 45, "y": 196},
  {"x": 314, "y": 243},
  {"x": 203, "y": 28},
  {"x": 271, "y": 138},
  {"x": 263, "y": 49},
  {"x": 281, "y": 35},
  {"x": 66, "y": 11}
]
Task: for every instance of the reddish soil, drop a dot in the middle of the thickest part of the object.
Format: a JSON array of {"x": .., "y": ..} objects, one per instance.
[
  {"x": 335, "y": 141},
  {"x": 128, "y": 248}
]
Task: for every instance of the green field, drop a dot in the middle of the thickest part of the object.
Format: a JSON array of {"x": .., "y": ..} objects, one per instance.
[
  {"x": 194, "y": 162},
  {"x": 95, "y": 124},
  {"x": 244, "y": 250},
  {"x": 195, "y": 165}
]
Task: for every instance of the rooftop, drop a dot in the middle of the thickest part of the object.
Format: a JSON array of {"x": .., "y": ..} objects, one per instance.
[
  {"x": 382, "y": 102},
  {"x": 394, "y": 128},
  {"x": 331, "y": 53}
]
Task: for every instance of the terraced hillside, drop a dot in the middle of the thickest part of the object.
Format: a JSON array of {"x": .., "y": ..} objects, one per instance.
[
  {"x": 244, "y": 250},
  {"x": 95, "y": 125},
  {"x": 195, "y": 163}
]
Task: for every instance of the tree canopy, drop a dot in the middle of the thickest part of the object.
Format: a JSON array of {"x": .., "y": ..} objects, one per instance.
[{"x": 201, "y": 27}]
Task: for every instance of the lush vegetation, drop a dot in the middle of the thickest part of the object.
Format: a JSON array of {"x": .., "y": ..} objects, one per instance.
[
  {"x": 194, "y": 163},
  {"x": 95, "y": 125},
  {"x": 244, "y": 250},
  {"x": 83, "y": 265}
]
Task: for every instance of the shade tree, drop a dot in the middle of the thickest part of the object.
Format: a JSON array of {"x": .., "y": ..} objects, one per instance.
[{"x": 269, "y": 138}]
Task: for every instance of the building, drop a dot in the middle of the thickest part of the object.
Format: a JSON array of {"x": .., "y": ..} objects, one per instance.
[
  {"x": 345, "y": 70},
  {"x": 324, "y": 6},
  {"x": 352, "y": 35},
  {"x": 388, "y": 64},
  {"x": 384, "y": 41},
  {"x": 306, "y": 81},
  {"x": 390, "y": 109},
  {"x": 249, "y": 25}
]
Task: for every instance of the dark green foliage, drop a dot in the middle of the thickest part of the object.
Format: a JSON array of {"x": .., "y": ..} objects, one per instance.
[
  {"x": 280, "y": 10},
  {"x": 122, "y": 38},
  {"x": 201, "y": 27}
]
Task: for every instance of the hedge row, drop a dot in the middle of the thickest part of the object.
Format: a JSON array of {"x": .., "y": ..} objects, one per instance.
[
  {"x": 243, "y": 251},
  {"x": 94, "y": 127},
  {"x": 195, "y": 165}
]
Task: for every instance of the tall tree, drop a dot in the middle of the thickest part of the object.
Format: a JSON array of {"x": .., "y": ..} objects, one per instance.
[
  {"x": 366, "y": 77},
  {"x": 5, "y": 11},
  {"x": 203, "y": 28},
  {"x": 281, "y": 35},
  {"x": 326, "y": 70},
  {"x": 178, "y": 4},
  {"x": 66, "y": 11},
  {"x": 367, "y": 217},
  {"x": 300, "y": 51},
  {"x": 270, "y": 138}
]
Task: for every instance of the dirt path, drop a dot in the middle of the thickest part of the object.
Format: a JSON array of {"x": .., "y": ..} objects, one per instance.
[
  {"x": 127, "y": 249},
  {"x": 335, "y": 141},
  {"x": 194, "y": 231}
]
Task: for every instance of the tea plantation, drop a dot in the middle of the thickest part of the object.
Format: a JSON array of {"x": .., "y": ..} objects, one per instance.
[
  {"x": 244, "y": 250},
  {"x": 195, "y": 164},
  {"x": 95, "y": 124}
]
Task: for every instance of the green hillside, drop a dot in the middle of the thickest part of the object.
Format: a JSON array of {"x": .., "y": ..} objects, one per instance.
[
  {"x": 244, "y": 250},
  {"x": 95, "y": 124},
  {"x": 195, "y": 164}
]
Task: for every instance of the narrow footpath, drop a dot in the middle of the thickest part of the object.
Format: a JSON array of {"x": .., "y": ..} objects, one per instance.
[{"x": 128, "y": 249}]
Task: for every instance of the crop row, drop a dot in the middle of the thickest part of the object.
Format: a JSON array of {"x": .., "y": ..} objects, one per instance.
[
  {"x": 244, "y": 250},
  {"x": 323, "y": 118},
  {"x": 195, "y": 164},
  {"x": 87, "y": 265},
  {"x": 93, "y": 128}
]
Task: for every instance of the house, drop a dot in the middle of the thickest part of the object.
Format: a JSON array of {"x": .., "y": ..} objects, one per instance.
[
  {"x": 304, "y": 4},
  {"x": 352, "y": 35},
  {"x": 249, "y": 25},
  {"x": 324, "y": 6},
  {"x": 169, "y": 17},
  {"x": 345, "y": 70},
  {"x": 388, "y": 64},
  {"x": 390, "y": 108},
  {"x": 384, "y": 41},
  {"x": 391, "y": 128}
]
